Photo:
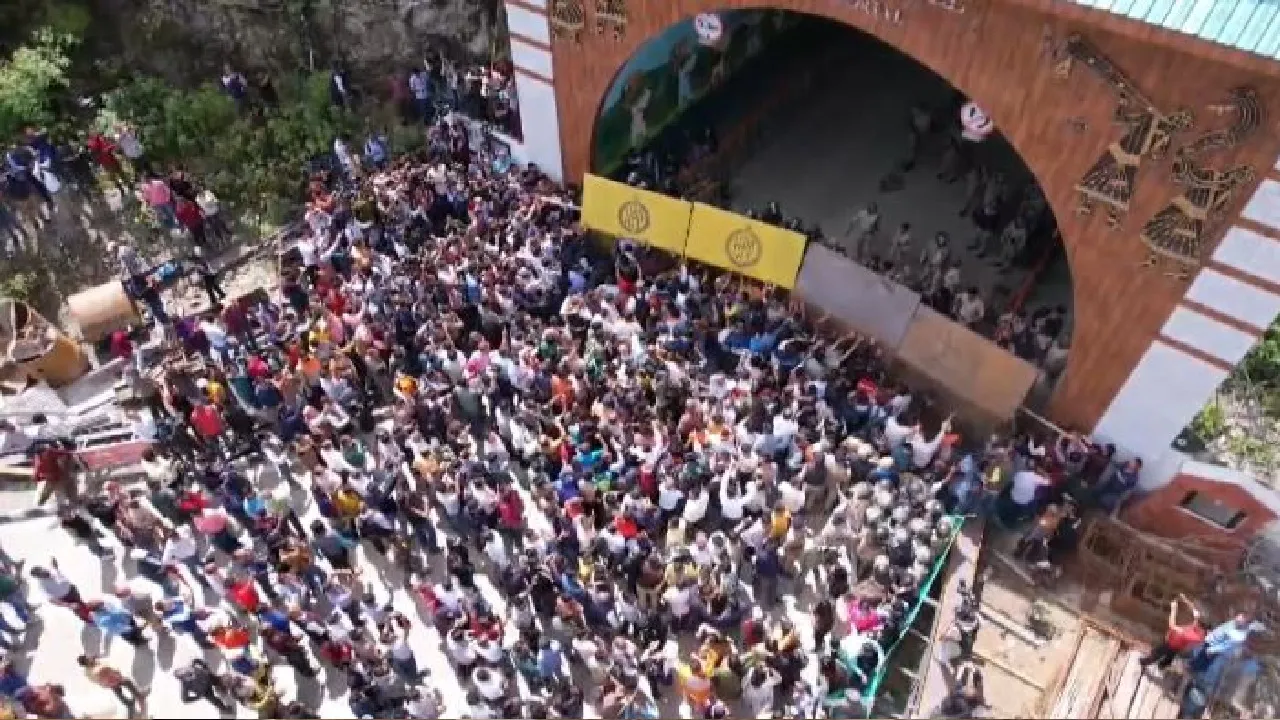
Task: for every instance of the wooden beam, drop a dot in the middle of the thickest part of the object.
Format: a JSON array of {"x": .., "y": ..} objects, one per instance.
[{"x": 1007, "y": 669}]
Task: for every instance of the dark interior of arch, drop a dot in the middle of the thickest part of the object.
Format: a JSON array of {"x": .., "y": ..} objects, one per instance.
[{"x": 822, "y": 120}]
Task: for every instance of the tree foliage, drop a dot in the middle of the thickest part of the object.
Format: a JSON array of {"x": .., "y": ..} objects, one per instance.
[
  {"x": 31, "y": 80},
  {"x": 255, "y": 160}
]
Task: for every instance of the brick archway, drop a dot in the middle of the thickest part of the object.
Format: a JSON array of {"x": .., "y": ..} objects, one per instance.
[{"x": 1002, "y": 54}]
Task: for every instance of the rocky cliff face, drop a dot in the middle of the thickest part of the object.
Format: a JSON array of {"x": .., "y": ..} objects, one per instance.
[{"x": 191, "y": 39}]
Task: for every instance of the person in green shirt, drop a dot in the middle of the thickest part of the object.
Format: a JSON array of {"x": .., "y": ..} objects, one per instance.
[{"x": 12, "y": 593}]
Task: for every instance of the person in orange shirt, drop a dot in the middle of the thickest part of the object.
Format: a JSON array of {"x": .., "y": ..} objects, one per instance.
[{"x": 562, "y": 390}]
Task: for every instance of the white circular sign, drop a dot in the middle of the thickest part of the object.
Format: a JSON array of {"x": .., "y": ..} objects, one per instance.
[
  {"x": 708, "y": 27},
  {"x": 974, "y": 123}
]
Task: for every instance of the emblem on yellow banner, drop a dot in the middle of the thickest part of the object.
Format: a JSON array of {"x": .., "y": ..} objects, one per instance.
[
  {"x": 633, "y": 217},
  {"x": 743, "y": 248}
]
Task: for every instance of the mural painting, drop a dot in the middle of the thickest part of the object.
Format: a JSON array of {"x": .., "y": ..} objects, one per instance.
[{"x": 671, "y": 72}]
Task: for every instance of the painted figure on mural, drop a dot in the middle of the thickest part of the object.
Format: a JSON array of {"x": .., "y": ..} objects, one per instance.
[
  {"x": 1148, "y": 133},
  {"x": 673, "y": 72},
  {"x": 1175, "y": 235},
  {"x": 684, "y": 60},
  {"x": 637, "y": 97}
]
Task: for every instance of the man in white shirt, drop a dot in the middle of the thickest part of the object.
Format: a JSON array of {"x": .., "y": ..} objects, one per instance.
[
  {"x": 679, "y": 601},
  {"x": 791, "y": 496},
  {"x": 55, "y": 585},
  {"x": 424, "y": 703},
  {"x": 695, "y": 507},
  {"x": 669, "y": 495},
  {"x": 1023, "y": 492},
  {"x": 734, "y": 498},
  {"x": 863, "y": 227},
  {"x": 969, "y": 308}
]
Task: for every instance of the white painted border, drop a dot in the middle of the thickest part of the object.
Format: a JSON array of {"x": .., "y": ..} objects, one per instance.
[
  {"x": 1251, "y": 253},
  {"x": 1235, "y": 298},
  {"x": 1210, "y": 336},
  {"x": 1168, "y": 387},
  {"x": 540, "y": 120},
  {"x": 532, "y": 58},
  {"x": 528, "y": 23},
  {"x": 1264, "y": 207}
]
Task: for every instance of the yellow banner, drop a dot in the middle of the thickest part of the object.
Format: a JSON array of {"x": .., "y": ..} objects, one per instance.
[
  {"x": 746, "y": 246},
  {"x": 623, "y": 211}
]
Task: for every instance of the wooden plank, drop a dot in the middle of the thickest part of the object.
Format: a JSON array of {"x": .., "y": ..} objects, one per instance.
[
  {"x": 1049, "y": 698},
  {"x": 1093, "y": 668},
  {"x": 1117, "y": 705},
  {"x": 1108, "y": 673},
  {"x": 1010, "y": 625},
  {"x": 1150, "y": 700},
  {"x": 1009, "y": 670},
  {"x": 1139, "y": 698}
]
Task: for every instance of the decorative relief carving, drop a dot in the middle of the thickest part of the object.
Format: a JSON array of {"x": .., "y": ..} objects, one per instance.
[
  {"x": 1147, "y": 134},
  {"x": 568, "y": 18},
  {"x": 1055, "y": 52},
  {"x": 1175, "y": 236},
  {"x": 611, "y": 15}
]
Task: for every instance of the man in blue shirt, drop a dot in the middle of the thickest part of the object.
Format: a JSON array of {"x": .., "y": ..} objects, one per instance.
[
  {"x": 1227, "y": 639},
  {"x": 550, "y": 660},
  {"x": 375, "y": 150}
]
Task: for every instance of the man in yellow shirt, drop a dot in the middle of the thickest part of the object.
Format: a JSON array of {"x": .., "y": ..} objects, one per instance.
[{"x": 779, "y": 523}]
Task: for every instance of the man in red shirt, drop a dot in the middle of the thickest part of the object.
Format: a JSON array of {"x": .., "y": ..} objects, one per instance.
[
  {"x": 121, "y": 345},
  {"x": 52, "y": 469},
  {"x": 1178, "y": 639},
  {"x": 104, "y": 151},
  {"x": 235, "y": 318},
  {"x": 207, "y": 421},
  {"x": 191, "y": 218}
]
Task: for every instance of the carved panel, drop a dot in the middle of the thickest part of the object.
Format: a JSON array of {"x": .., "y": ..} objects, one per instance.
[
  {"x": 611, "y": 15},
  {"x": 568, "y": 18},
  {"x": 1175, "y": 236},
  {"x": 1148, "y": 132}
]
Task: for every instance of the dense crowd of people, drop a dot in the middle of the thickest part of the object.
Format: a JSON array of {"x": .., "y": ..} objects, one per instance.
[
  {"x": 611, "y": 481},
  {"x": 459, "y": 384}
]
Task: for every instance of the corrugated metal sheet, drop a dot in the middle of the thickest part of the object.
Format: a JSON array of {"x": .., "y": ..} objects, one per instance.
[{"x": 1249, "y": 25}]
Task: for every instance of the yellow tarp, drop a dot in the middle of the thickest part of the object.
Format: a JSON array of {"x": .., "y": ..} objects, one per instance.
[
  {"x": 623, "y": 211},
  {"x": 745, "y": 246}
]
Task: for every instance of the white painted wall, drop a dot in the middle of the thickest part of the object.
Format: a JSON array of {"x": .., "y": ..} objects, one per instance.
[
  {"x": 528, "y": 23},
  {"x": 1264, "y": 206},
  {"x": 540, "y": 121},
  {"x": 532, "y": 58},
  {"x": 1235, "y": 298},
  {"x": 1165, "y": 390},
  {"x": 1203, "y": 333},
  {"x": 1250, "y": 252}
]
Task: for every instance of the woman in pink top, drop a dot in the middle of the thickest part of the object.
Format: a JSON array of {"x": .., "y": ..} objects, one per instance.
[{"x": 156, "y": 193}]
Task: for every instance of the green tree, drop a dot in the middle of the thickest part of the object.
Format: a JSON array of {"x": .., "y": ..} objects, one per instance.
[
  {"x": 255, "y": 162},
  {"x": 31, "y": 79}
]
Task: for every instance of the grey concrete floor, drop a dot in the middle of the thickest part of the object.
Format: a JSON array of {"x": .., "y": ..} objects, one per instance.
[{"x": 824, "y": 158}]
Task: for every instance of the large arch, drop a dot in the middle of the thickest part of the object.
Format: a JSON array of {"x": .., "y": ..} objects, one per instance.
[{"x": 1058, "y": 116}]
